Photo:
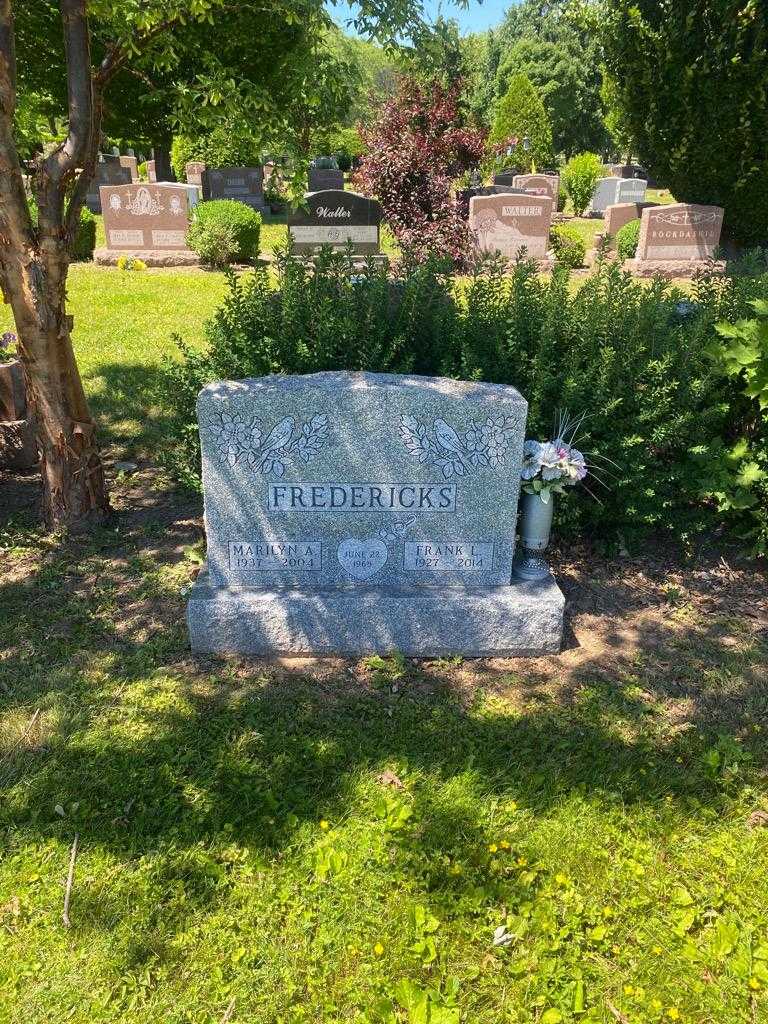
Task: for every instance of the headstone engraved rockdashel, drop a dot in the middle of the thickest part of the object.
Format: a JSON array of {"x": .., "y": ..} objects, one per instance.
[
  {"x": 680, "y": 231},
  {"x": 356, "y": 512},
  {"x": 337, "y": 219},
  {"x": 139, "y": 217},
  {"x": 507, "y": 222},
  {"x": 244, "y": 184}
]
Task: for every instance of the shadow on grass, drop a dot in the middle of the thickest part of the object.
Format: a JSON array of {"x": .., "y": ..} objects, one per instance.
[
  {"x": 123, "y": 403},
  {"x": 155, "y": 748}
]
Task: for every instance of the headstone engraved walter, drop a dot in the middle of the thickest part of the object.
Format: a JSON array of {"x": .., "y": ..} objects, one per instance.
[
  {"x": 139, "y": 217},
  {"x": 245, "y": 184},
  {"x": 680, "y": 232},
  {"x": 337, "y": 219},
  {"x": 539, "y": 184},
  {"x": 321, "y": 179},
  {"x": 356, "y": 512},
  {"x": 507, "y": 222}
]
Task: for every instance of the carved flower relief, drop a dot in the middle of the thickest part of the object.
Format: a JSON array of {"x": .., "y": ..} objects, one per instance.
[
  {"x": 484, "y": 444},
  {"x": 240, "y": 440}
]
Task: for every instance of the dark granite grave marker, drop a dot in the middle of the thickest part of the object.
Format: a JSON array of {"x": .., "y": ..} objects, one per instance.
[{"x": 334, "y": 218}]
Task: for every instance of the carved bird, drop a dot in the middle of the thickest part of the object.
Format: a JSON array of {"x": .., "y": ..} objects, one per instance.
[
  {"x": 448, "y": 437},
  {"x": 279, "y": 436}
]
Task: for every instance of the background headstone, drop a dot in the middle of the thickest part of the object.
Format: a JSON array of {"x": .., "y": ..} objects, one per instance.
[
  {"x": 681, "y": 231},
  {"x": 194, "y": 172},
  {"x": 631, "y": 190},
  {"x": 355, "y": 512},
  {"x": 506, "y": 222},
  {"x": 334, "y": 217},
  {"x": 505, "y": 177},
  {"x": 604, "y": 195},
  {"x": 321, "y": 179},
  {"x": 151, "y": 172},
  {"x": 539, "y": 184},
  {"x": 150, "y": 217},
  {"x": 245, "y": 184},
  {"x": 109, "y": 171},
  {"x": 132, "y": 165},
  {"x": 619, "y": 214}
]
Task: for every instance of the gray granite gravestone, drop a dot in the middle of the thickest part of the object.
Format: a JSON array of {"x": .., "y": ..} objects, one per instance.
[
  {"x": 356, "y": 512},
  {"x": 336, "y": 218},
  {"x": 604, "y": 195},
  {"x": 324, "y": 178},
  {"x": 244, "y": 184},
  {"x": 631, "y": 190},
  {"x": 109, "y": 171}
]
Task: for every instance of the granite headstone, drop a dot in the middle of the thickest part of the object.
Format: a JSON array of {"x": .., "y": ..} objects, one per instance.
[
  {"x": 680, "y": 231},
  {"x": 321, "y": 179},
  {"x": 539, "y": 184},
  {"x": 357, "y": 512},
  {"x": 631, "y": 190},
  {"x": 194, "y": 172},
  {"x": 151, "y": 171},
  {"x": 109, "y": 171},
  {"x": 619, "y": 214},
  {"x": 244, "y": 184},
  {"x": 507, "y": 222},
  {"x": 132, "y": 164},
  {"x": 336, "y": 218},
  {"x": 139, "y": 217},
  {"x": 605, "y": 192}
]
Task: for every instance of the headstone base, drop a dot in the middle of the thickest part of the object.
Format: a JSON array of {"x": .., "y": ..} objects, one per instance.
[
  {"x": 671, "y": 269},
  {"x": 525, "y": 618},
  {"x": 152, "y": 257},
  {"x": 18, "y": 444}
]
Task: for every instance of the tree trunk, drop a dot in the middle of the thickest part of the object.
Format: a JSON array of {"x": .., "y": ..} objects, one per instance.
[{"x": 74, "y": 489}]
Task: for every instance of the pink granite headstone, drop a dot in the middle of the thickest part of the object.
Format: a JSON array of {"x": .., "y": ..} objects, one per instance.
[
  {"x": 681, "y": 231},
  {"x": 507, "y": 222}
]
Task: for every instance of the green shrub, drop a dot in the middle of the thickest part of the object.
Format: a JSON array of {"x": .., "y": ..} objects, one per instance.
[
  {"x": 578, "y": 179},
  {"x": 84, "y": 241},
  {"x": 224, "y": 231},
  {"x": 627, "y": 239},
  {"x": 630, "y": 355},
  {"x": 568, "y": 245}
]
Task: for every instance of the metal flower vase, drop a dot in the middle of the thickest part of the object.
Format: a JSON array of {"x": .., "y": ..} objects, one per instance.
[{"x": 535, "y": 528}]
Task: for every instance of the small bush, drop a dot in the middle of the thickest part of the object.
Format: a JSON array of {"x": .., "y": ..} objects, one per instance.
[
  {"x": 579, "y": 178},
  {"x": 224, "y": 231},
  {"x": 627, "y": 239},
  {"x": 661, "y": 417},
  {"x": 568, "y": 245}
]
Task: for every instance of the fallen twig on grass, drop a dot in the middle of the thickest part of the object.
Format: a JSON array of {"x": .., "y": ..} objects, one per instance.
[
  {"x": 617, "y": 1013},
  {"x": 70, "y": 880},
  {"x": 228, "y": 1012}
]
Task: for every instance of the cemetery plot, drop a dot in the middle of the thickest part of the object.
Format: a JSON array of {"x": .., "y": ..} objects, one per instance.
[
  {"x": 146, "y": 216},
  {"x": 507, "y": 223},
  {"x": 681, "y": 231},
  {"x": 355, "y": 512},
  {"x": 337, "y": 219}
]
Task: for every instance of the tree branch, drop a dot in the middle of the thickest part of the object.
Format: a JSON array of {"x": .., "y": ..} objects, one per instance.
[{"x": 77, "y": 46}]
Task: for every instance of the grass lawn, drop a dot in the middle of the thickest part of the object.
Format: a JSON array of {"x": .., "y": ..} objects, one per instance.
[{"x": 330, "y": 841}]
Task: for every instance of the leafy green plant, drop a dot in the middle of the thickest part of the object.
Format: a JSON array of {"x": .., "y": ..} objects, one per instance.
[
  {"x": 578, "y": 179},
  {"x": 224, "y": 231},
  {"x": 629, "y": 355},
  {"x": 521, "y": 114},
  {"x": 627, "y": 238},
  {"x": 568, "y": 245}
]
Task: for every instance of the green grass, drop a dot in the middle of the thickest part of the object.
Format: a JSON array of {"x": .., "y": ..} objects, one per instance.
[
  {"x": 333, "y": 842},
  {"x": 240, "y": 840}
]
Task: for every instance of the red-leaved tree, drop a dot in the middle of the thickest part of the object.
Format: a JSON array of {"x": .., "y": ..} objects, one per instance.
[{"x": 416, "y": 146}]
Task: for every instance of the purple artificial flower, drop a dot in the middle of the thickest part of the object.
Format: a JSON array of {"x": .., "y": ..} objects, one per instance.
[{"x": 7, "y": 339}]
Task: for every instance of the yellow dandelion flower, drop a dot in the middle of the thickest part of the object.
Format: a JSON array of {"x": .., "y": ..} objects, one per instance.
[
  {"x": 656, "y": 1004},
  {"x": 754, "y": 984},
  {"x": 639, "y": 992},
  {"x": 378, "y": 949},
  {"x": 608, "y": 912},
  {"x": 673, "y": 1013},
  {"x": 615, "y": 949},
  {"x": 512, "y": 806},
  {"x": 658, "y": 950},
  {"x": 522, "y": 861},
  {"x": 493, "y": 847},
  {"x": 324, "y": 825},
  {"x": 504, "y": 845},
  {"x": 628, "y": 990}
]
